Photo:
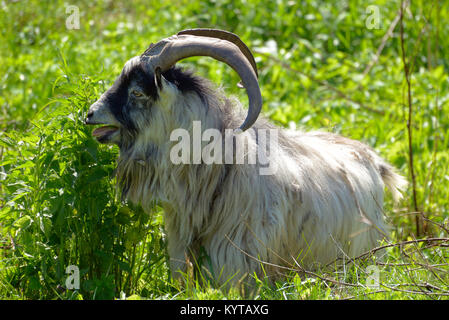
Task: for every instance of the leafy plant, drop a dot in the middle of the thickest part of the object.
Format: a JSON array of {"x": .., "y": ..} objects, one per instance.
[{"x": 61, "y": 208}]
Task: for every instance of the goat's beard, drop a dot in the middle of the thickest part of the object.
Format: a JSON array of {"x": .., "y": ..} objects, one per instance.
[{"x": 126, "y": 141}]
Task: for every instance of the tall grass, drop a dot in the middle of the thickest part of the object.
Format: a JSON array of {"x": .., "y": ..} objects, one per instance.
[{"x": 320, "y": 67}]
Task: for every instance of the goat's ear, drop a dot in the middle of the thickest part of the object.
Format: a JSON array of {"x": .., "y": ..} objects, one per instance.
[
  {"x": 166, "y": 90},
  {"x": 158, "y": 78}
]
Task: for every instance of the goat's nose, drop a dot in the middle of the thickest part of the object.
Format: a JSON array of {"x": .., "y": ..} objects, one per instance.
[{"x": 90, "y": 113}]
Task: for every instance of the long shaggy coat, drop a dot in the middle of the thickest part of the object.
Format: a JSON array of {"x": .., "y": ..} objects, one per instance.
[{"x": 323, "y": 202}]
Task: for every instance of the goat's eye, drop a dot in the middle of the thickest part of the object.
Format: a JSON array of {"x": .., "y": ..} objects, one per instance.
[{"x": 137, "y": 93}]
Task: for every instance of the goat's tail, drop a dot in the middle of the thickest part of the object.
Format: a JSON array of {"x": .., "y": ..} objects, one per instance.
[{"x": 394, "y": 181}]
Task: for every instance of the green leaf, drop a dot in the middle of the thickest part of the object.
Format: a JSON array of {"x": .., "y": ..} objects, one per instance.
[{"x": 23, "y": 222}]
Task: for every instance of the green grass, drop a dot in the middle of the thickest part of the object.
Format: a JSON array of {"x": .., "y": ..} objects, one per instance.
[{"x": 58, "y": 205}]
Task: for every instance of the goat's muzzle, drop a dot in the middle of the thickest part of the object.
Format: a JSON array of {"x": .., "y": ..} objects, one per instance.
[{"x": 99, "y": 114}]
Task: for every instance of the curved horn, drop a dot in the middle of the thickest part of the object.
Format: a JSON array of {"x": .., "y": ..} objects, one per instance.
[
  {"x": 167, "y": 52},
  {"x": 225, "y": 35}
]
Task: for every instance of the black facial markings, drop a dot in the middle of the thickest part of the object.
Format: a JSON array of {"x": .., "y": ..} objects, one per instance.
[
  {"x": 185, "y": 81},
  {"x": 121, "y": 104},
  {"x": 117, "y": 99}
]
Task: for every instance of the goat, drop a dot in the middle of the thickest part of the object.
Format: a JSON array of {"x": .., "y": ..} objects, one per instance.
[{"x": 324, "y": 200}]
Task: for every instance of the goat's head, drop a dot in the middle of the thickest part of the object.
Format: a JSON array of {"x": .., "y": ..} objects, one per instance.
[{"x": 149, "y": 83}]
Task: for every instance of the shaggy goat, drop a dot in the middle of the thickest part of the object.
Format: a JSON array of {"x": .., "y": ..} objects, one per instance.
[{"x": 323, "y": 201}]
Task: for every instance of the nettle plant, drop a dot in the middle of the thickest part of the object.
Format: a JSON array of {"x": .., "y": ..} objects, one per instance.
[{"x": 59, "y": 208}]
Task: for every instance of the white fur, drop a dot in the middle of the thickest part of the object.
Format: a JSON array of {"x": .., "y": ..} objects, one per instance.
[{"x": 324, "y": 201}]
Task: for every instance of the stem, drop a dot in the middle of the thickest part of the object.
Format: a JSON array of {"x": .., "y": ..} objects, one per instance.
[{"x": 409, "y": 121}]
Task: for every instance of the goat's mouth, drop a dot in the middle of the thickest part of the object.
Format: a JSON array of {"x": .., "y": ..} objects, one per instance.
[{"x": 104, "y": 134}]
